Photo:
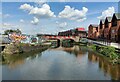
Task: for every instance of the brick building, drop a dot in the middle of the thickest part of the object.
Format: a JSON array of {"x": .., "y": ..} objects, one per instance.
[
  {"x": 115, "y": 28},
  {"x": 101, "y": 28},
  {"x": 107, "y": 28},
  {"x": 80, "y": 32},
  {"x": 74, "y": 32},
  {"x": 93, "y": 31}
]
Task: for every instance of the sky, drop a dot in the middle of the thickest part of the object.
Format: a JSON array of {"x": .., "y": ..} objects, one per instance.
[{"x": 53, "y": 17}]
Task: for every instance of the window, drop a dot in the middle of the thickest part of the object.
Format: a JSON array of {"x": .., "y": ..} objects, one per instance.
[
  {"x": 106, "y": 25},
  {"x": 113, "y": 31}
]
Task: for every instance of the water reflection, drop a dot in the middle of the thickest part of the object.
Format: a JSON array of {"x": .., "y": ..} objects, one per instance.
[
  {"x": 61, "y": 63},
  {"x": 15, "y": 60},
  {"x": 105, "y": 66}
]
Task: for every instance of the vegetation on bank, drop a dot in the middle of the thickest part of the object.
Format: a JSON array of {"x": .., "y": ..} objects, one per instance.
[
  {"x": 16, "y": 48},
  {"x": 107, "y": 51}
]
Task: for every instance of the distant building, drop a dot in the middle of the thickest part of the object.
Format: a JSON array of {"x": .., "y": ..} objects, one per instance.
[
  {"x": 42, "y": 37},
  {"x": 93, "y": 31},
  {"x": 16, "y": 37},
  {"x": 4, "y": 39},
  {"x": 31, "y": 39},
  {"x": 74, "y": 32}
]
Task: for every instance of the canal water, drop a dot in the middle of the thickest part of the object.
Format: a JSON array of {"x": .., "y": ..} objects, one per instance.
[{"x": 61, "y": 63}]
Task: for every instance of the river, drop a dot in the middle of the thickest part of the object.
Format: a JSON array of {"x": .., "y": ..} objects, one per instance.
[{"x": 62, "y": 63}]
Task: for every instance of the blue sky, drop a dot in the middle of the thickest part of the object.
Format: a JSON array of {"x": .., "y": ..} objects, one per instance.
[{"x": 52, "y": 17}]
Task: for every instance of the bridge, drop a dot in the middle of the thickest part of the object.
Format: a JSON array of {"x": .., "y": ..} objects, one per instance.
[{"x": 75, "y": 38}]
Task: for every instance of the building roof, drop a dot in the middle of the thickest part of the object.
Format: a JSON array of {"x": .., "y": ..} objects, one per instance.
[
  {"x": 94, "y": 25},
  {"x": 103, "y": 21},
  {"x": 80, "y": 29},
  {"x": 109, "y": 19},
  {"x": 117, "y": 15}
]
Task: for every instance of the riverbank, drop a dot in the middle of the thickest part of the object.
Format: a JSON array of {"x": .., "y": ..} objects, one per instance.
[
  {"x": 17, "y": 59},
  {"x": 106, "y": 51},
  {"x": 17, "y": 48}
]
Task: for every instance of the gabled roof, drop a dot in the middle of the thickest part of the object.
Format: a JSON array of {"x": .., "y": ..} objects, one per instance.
[
  {"x": 109, "y": 19},
  {"x": 94, "y": 25},
  {"x": 117, "y": 15},
  {"x": 102, "y": 20}
]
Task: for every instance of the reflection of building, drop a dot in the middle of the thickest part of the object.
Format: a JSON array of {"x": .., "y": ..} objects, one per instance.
[
  {"x": 105, "y": 65},
  {"x": 74, "y": 32}
]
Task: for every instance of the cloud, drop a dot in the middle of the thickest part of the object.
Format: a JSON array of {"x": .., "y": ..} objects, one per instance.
[
  {"x": 61, "y": 25},
  {"x": 0, "y": 13},
  {"x": 6, "y": 15},
  {"x": 35, "y": 21},
  {"x": 107, "y": 13},
  {"x": 73, "y": 14},
  {"x": 42, "y": 12},
  {"x": 26, "y": 7},
  {"x": 22, "y": 21},
  {"x": 8, "y": 25},
  {"x": 62, "y": 0},
  {"x": 41, "y": 2}
]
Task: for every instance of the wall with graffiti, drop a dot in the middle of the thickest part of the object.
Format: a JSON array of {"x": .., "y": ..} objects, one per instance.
[{"x": 32, "y": 39}]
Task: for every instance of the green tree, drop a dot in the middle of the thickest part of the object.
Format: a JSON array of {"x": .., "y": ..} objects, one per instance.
[{"x": 6, "y": 32}]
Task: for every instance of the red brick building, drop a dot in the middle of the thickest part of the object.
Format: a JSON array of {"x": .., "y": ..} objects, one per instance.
[
  {"x": 93, "y": 31},
  {"x": 107, "y": 28},
  {"x": 115, "y": 28},
  {"x": 74, "y": 32},
  {"x": 80, "y": 32},
  {"x": 101, "y": 28}
]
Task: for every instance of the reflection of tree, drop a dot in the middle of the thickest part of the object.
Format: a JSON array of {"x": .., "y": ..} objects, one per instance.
[
  {"x": 104, "y": 65},
  {"x": 92, "y": 57},
  {"x": 17, "y": 59},
  {"x": 76, "y": 50}
]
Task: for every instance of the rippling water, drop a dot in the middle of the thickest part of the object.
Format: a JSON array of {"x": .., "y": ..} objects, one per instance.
[{"x": 63, "y": 63}]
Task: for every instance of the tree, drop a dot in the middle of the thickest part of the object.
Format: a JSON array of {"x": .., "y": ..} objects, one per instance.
[{"x": 6, "y": 32}]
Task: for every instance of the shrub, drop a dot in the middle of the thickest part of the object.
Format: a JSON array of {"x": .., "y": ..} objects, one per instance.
[
  {"x": 108, "y": 51},
  {"x": 93, "y": 47}
]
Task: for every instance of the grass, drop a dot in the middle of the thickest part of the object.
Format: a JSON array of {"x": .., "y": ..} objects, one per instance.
[{"x": 108, "y": 52}]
